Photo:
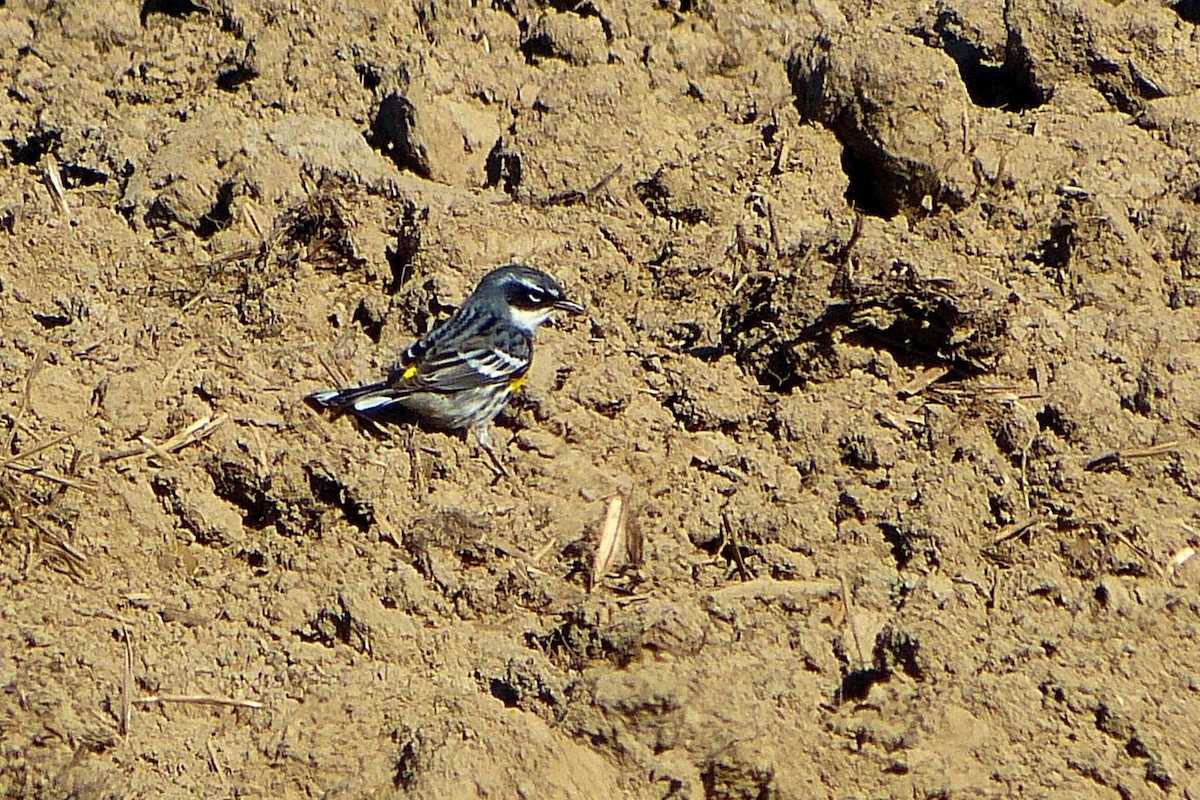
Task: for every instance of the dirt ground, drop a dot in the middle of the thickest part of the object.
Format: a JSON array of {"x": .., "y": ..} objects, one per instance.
[{"x": 892, "y": 352}]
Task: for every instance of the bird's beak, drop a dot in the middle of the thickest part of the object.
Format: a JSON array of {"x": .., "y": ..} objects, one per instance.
[{"x": 570, "y": 306}]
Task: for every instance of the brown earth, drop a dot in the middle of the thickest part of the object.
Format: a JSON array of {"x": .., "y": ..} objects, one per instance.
[{"x": 892, "y": 349}]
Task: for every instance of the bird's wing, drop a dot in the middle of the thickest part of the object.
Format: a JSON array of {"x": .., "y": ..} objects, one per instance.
[{"x": 483, "y": 359}]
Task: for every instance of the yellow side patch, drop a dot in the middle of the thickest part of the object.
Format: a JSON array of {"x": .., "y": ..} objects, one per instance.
[
  {"x": 410, "y": 372},
  {"x": 516, "y": 383}
]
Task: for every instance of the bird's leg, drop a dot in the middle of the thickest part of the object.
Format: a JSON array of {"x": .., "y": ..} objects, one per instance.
[{"x": 483, "y": 434}]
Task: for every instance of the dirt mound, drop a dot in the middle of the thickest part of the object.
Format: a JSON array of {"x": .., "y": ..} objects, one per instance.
[{"x": 890, "y": 350}]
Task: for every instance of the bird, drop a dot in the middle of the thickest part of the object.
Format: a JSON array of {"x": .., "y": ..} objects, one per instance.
[{"x": 461, "y": 374}]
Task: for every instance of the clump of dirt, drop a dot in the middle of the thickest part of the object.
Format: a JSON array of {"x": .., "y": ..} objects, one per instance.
[
  {"x": 785, "y": 327},
  {"x": 889, "y": 350}
]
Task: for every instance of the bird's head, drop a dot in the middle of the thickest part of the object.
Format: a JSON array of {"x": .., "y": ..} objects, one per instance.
[{"x": 530, "y": 295}]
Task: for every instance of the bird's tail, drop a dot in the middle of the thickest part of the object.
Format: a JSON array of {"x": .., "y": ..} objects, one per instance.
[{"x": 370, "y": 400}]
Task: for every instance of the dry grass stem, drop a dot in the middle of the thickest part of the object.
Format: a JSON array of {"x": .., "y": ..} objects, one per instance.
[
  {"x": 214, "y": 761},
  {"x": 38, "y": 448},
  {"x": 572, "y": 197},
  {"x": 729, "y": 540},
  {"x": 14, "y": 462},
  {"x": 195, "y": 432},
  {"x": 1116, "y": 457},
  {"x": 862, "y": 660},
  {"x": 58, "y": 553},
  {"x": 923, "y": 381},
  {"x": 24, "y": 406},
  {"x": 215, "y": 268},
  {"x": 634, "y": 541},
  {"x": 781, "y": 156},
  {"x": 999, "y": 393},
  {"x": 1141, "y": 552},
  {"x": 1031, "y": 525},
  {"x": 198, "y": 699},
  {"x": 82, "y": 484},
  {"x": 612, "y": 539},
  {"x": 126, "y": 682},
  {"x": 338, "y": 377},
  {"x": 544, "y": 549},
  {"x": 187, "y": 353},
  {"x": 153, "y": 448},
  {"x": 58, "y": 192},
  {"x": 1181, "y": 557}
]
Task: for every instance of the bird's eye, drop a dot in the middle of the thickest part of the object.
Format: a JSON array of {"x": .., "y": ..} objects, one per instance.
[{"x": 536, "y": 297}]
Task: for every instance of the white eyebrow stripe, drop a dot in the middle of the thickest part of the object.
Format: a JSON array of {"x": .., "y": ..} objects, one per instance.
[{"x": 536, "y": 289}]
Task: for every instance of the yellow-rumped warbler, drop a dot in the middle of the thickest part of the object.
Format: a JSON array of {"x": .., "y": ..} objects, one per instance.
[{"x": 462, "y": 373}]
